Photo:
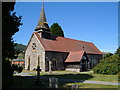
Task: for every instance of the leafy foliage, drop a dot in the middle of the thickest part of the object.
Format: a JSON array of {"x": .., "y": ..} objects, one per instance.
[
  {"x": 109, "y": 65},
  {"x": 10, "y": 25},
  {"x": 20, "y": 47},
  {"x": 17, "y": 68},
  {"x": 118, "y": 51},
  {"x": 56, "y": 30},
  {"x": 19, "y": 50},
  {"x": 107, "y": 55}
]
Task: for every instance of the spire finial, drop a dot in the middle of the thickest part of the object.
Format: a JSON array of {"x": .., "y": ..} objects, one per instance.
[{"x": 42, "y": 3}]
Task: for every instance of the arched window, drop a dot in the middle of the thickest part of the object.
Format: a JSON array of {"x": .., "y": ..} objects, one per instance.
[
  {"x": 54, "y": 62},
  {"x": 29, "y": 63}
]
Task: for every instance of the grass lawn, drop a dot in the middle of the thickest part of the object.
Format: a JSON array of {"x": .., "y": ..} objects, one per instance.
[
  {"x": 28, "y": 82},
  {"x": 79, "y": 76},
  {"x": 86, "y": 85}
]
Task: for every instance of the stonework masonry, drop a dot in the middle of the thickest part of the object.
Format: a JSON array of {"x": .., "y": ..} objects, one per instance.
[
  {"x": 33, "y": 56},
  {"x": 58, "y": 56},
  {"x": 94, "y": 59}
]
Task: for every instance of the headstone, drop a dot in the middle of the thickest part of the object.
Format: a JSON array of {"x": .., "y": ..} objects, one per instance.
[
  {"x": 50, "y": 66},
  {"x": 75, "y": 87},
  {"x": 53, "y": 82}
]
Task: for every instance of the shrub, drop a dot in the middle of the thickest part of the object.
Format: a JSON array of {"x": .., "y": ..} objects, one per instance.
[
  {"x": 109, "y": 69},
  {"x": 17, "y": 68},
  {"x": 109, "y": 66},
  {"x": 119, "y": 76}
]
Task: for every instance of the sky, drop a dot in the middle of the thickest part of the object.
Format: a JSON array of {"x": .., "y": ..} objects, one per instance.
[{"x": 95, "y": 22}]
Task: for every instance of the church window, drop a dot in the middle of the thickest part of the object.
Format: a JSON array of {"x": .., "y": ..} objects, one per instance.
[
  {"x": 29, "y": 63},
  {"x": 54, "y": 62},
  {"x": 34, "y": 46},
  {"x": 83, "y": 57}
]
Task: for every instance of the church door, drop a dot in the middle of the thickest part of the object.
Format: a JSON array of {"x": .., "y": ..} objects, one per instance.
[{"x": 84, "y": 63}]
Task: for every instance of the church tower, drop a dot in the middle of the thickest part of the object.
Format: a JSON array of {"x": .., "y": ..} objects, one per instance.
[{"x": 42, "y": 28}]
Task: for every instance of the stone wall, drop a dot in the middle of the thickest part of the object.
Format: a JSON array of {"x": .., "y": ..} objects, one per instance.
[
  {"x": 58, "y": 56},
  {"x": 32, "y": 56},
  {"x": 75, "y": 65},
  {"x": 94, "y": 59}
]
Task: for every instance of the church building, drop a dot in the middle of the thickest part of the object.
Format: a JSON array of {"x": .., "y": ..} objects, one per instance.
[{"x": 54, "y": 53}]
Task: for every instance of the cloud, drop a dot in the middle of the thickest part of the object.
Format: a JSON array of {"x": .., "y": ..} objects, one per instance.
[{"x": 108, "y": 50}]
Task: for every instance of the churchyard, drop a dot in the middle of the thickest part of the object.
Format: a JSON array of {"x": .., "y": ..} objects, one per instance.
[{"x": 64, "y": 79}]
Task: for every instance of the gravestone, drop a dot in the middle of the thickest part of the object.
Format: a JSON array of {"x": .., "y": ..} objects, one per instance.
[
  {"x": 53, "y": 82},
  {"x": 75, "y": 87}
]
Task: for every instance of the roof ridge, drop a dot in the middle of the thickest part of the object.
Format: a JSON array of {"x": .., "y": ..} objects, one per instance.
[
  {"x": 76, "y": 51},
  {"x": 76, "y": 40}
]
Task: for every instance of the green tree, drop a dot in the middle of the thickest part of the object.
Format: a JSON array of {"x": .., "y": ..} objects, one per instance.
[
  {"x": 20, "y": 51},
  {"x": 56, "y": 30},
  {"x": 109, "y": 65},
  {"x": 118, "y": 51},
  {"x": 107, "y": 55},
  {"x": 10, "y": 25}
]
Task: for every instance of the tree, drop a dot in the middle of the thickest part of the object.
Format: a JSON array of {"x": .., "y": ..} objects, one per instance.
[
  {"x": 109, "y": 65},
  {"x": 20, "y": 51},
  {"x": 10, "y": 25},
  {"x": 56, "y": 30},
  {"x": 20, "y": 47},
  {"x": 118, "y": 51},
  {"x": 107, "y": 55}
]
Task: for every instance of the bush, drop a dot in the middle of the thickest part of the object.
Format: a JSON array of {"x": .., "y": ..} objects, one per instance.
[
  {"x": 119, "y": 76},
  {"x": 109, "y": 69},
  {"x": 17, "y": 68},
  {"x": 7, "y": 74},
  {"x": 109, "y": 66}
]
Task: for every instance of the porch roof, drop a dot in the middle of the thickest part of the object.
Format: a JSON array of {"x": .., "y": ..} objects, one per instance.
[{"x": 75, "y": 56}]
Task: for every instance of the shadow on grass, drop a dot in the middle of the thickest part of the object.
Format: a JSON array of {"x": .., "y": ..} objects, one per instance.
[
  {"x": 71, "y": 77},
  {"x": 28, "y": 81}
]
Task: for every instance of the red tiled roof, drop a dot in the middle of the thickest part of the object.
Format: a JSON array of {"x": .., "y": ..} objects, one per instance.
[
  {"x": 74, "y": 56},
  {"x": 62, "y": 44}
]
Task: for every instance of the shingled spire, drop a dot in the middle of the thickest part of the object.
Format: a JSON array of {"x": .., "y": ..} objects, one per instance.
[
  {"x": 42, "y": 23},
  {"x": 42, "y": 28}
]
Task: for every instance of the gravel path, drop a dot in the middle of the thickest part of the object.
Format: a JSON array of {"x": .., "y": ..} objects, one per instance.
[{"x": 68, "y": 80}]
